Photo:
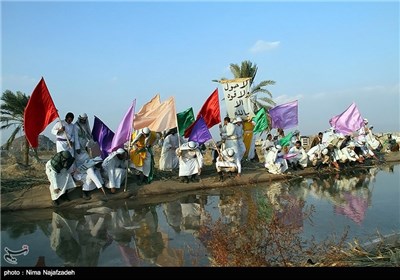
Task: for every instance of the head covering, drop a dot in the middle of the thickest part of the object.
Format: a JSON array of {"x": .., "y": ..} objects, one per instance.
[
  {"x": 278, "y": 147},
  {"x": 82, "y": 116},
  {"x": 230, "y": 152},
  {"x": 365, "y": 121},
  {"x": 325, "y": 151},
  {"x": 296, "y": 132},
  {"x": 120, "y": 151},
  {"x": 238, "y": 119},
  {"x": 192, "y": 145},
  {"x": 145, "y": 130}
]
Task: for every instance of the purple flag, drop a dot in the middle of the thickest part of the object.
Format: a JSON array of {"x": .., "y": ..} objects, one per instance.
[
  {"x": 124, "y": 129},
  {"x": 285, "y": 115},
  {"x": 102, "y": 135},
  {"x": 348, "y": 121},
  {"x": 200, "y": 132}
]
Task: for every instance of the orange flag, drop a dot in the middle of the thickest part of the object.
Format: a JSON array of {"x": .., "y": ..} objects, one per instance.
[
  {"x": 210, "y": 112},
  {"x": 39, "y": 113}
]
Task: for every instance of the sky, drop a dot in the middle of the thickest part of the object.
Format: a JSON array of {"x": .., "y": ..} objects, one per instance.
[{"x": 97, "y": 56}]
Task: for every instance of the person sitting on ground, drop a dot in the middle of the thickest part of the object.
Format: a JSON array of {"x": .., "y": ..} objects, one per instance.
[
  {"x": 300, "y": 158},
  {"x": 190, "y": 161},
  {"x": 350, "y": 156},
  {"x": 274, "y": 161},
  {"x": 57, "y": 171},
  {"x": 228, "y": 161},
  {"x": 324, "y": 161},
  {"x": 115, "y": 166},
  {"x": 90, "y": 174}
]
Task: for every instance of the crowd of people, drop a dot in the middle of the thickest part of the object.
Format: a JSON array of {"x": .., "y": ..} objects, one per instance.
[{"x": 78, "y": 160}]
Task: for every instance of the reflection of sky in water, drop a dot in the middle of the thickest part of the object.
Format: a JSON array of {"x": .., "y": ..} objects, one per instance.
[{"x": 167, "y": 234}]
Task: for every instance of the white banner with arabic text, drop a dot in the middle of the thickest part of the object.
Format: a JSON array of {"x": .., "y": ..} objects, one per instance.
[{"x": 237, "y": 98}]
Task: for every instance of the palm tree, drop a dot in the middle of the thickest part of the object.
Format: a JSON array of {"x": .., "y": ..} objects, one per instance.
[
  {"x": 12, "y": 114},
  {"x": 249, "y": 70}
]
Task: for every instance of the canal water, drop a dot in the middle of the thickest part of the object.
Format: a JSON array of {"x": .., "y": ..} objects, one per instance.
[{"x": 358, "y": 205}]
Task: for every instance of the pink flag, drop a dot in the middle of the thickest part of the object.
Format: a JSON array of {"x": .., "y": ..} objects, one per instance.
[
  {"x": 348, "y": 121},
  {"x": 124, "y": 129},
  {"x": 164, "y": 117},
  {"x": 145, "y": 116},
  {"x": 157, "y": 116}
]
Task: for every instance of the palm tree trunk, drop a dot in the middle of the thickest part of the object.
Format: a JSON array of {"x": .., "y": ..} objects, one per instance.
[{"x": 26, "y": 152}]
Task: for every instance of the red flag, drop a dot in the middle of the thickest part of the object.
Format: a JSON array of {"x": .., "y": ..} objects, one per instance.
[
  {"x": 39, "y": 113},
  {"x": 210, "y": 112}
]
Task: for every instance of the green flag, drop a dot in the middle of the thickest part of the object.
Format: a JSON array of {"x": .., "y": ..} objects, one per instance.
[
  {"x": 261, "y": 121},
  {"x": 185, "y": 119},
  {"x": 285, "y": 141}
]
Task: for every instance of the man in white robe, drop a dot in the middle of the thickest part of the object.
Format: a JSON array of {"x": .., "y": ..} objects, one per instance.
[
  {"x": 241, "y": 150},
  {"x": 190, "y": 161},
  {"x": 274, "y": 161},
  {"x": 83, "y": 135},
  {"x": 60, "y": 178},
  {"x": 228, "y": 135},
  {"x": 300, "y": 158},
  {"x": 115, "y": 166},
  {"x": 64, "y": 132},
  {"x": 168, "y": 159},
  {"x": 228, "y": 161},
  {"x": 90, "y": 174}
]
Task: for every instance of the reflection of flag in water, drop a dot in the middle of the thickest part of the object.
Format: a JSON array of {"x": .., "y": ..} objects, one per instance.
[
  {"x": 130, "y": 255},
  {"x": 354, "y": 207}
]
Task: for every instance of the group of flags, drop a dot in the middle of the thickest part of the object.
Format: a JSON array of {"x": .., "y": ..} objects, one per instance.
[{"x": 160, "y": 116}]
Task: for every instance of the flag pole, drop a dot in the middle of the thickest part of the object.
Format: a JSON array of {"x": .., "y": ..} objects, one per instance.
[{"x": 129, "y": 148}]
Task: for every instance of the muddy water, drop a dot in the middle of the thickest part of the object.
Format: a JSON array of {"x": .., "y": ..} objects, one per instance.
[{"x": 167, "y": 231}]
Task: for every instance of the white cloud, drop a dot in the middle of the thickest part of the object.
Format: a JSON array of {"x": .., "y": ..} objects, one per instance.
[{"x": 263, "y": 46}]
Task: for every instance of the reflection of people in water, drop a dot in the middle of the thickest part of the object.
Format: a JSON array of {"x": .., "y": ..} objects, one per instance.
[
  {"x": 349, "y": 194},
  {"x": 287, "y": 205},
  {"x": 185, "y": 214},
  {"x": 148, "y": 239},
  {"x": 92, "y": 234},
  {"x": 64, "y": 239}
]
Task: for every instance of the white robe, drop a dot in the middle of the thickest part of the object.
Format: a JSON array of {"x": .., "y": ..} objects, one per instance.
[
  {"x": 227, "y": 163},
  {"x": 82, "y": 136},
  {"x": 61, "y": 137},
  {"x": 62, "y": 181},
  {"x": 89, "y": 175},
  {"x": 168, "y": 159},
  {"x": 115, "y": 170},
  {"x": 274, "y": 161},
  {"x": 300, "y": 158},
  {"x": 190, "y": 161},
  {"x": 240, "y": 144}
]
